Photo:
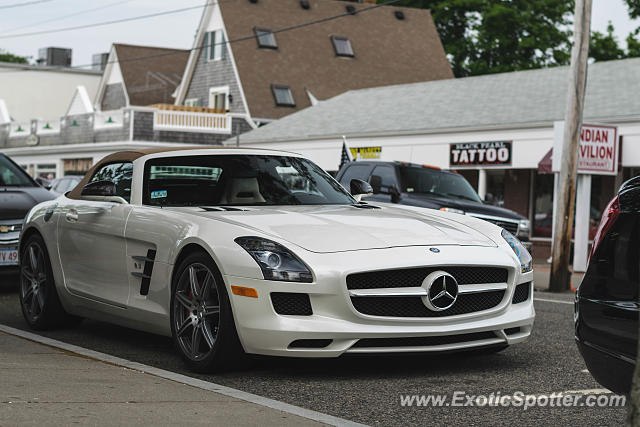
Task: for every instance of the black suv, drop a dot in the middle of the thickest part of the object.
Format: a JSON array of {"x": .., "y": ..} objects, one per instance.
[
  {"x": 428, "y": 187},
  {"x": 18, "y": 194}
]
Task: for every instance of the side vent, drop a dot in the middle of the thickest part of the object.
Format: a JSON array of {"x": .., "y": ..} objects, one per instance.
[{"x": 145, "y": 276}]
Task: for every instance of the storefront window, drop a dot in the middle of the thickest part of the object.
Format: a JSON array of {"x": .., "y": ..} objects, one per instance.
[{"x": 601, "y": 193}]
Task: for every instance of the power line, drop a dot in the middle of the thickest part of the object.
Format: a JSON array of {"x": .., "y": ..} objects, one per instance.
[
  {"x": 239, "y": 39},
  {"x": 10, "y": 6},
  {"x": 59, "y": 18},
  {"x": 100, "y": 24}
]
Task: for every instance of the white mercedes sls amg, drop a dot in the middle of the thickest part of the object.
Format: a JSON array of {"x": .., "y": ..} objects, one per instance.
[{"x": 237, "y": 251}]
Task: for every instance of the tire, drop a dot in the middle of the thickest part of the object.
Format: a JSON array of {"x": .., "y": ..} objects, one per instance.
[
  {"x": 201, "y": 313},
  {"x": 39, "y": 299}
]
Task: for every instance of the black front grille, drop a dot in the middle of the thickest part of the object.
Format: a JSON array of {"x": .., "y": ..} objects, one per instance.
[
  {"x": 294, "y": 304},
  {"x": 511, "y": 227},
  {"x": 413, "y": 277},
  {"x": 511, "y": 331},
  {"x": 423, "y": 341},
  {"x": 414, "y": 307},
  {"x": 521, "y": 293}
]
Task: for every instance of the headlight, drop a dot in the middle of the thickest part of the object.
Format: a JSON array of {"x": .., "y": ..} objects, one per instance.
[
  {"x": 523, "y": 227},
  {"x": 526, "y": 262},
  {"x": 453, "y": 210},
  {"x": 275, "y": 261}
]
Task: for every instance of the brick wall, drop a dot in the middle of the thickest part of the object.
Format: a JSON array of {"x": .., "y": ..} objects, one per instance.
[
  {"x": 114, "y": 97},
  {"x": 208, "y": 74}
]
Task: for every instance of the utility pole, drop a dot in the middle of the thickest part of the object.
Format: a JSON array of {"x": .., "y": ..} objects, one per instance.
[{"x": 560, "y": 275}]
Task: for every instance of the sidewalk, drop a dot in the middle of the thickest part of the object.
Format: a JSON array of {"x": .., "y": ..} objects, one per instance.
[
  {"x": 41, "y": 385},
  {"x": 541, "y": 273}
]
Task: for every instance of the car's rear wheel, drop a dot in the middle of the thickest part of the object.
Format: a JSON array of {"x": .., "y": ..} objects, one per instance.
[
  {"x": 39, "y": 299},
  {"x": 202, "y": 322}
]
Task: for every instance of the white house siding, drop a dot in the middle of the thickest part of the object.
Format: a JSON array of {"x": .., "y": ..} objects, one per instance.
[{"x": 38, "y": 92}]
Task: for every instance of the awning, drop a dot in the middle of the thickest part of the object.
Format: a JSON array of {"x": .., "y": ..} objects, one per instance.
[{"x": 544, "y": 166}]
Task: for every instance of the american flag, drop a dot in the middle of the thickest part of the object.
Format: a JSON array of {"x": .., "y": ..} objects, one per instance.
[{"x": 345, "y": 153}]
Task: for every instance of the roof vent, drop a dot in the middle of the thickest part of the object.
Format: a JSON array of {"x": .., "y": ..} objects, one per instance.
[
  {"x": 351, "y": 9},
  {"x": 305, "y": 4},
  {"x": 253, "y": 1},
  {"x": 399, "y": 15}
]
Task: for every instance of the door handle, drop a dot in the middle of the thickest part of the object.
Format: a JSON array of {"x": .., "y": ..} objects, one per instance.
[{"x": 72, "y": 216}]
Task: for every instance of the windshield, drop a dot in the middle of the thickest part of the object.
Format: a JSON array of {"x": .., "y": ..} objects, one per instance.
[
  {"x": 12, "y": 176},
  {"x": 438, "y": 183},
  {"x": 233, "y": 180}
]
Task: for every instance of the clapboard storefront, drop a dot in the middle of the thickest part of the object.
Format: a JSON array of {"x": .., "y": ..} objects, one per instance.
[{"x": 495, "y": 130}]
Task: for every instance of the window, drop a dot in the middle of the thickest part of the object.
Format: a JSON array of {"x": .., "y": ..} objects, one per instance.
[
  {"x": 354, "y": 172},
  {"x": 266, "y": 38},
  {"x": 240, "y": 180},
  {"x": 11, "y": 175},
  {"x": 283, "y": 96},
  {"x": 342, "y": 46},
  {"x": 192, "y": 102},
  {"x": 383, "y": 179},
  {"x": 215, "y": 45},
  {"x": 219, "y": 98},
  {"x": 118, "y": 173}
]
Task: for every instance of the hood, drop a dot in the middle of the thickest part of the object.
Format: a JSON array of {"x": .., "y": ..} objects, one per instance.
[
  {"x": 15, "y": 202},
  {"x": 467, "y": 206},
  {"x": 345, "y": 228}
]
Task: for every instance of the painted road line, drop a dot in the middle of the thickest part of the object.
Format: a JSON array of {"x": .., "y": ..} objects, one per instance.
[
  {"x": 553, "y": 300},
  {"x": 204, "y": 385}
]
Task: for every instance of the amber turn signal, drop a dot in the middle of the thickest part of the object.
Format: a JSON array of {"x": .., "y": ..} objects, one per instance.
[{"x": 244, "y": 292}]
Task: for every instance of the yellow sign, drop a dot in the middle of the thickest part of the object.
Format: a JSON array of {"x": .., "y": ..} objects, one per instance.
[{"x": 365, "y": 153}]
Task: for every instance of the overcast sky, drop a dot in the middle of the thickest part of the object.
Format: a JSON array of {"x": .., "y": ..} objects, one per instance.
[{"x": 175, "y": 30}]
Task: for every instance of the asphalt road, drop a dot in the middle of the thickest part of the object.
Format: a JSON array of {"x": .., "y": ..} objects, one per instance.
[{"x": 368, "y": 389}]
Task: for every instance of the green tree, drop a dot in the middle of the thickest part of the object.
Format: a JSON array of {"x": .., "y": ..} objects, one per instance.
[
  {"x": 8, "y": 57},
  {"x": 492, "y": 36},
  {"x": 634, "y": 8},
  {"x": 633, "y": 44},
  {"x": 604, "y": 47}
]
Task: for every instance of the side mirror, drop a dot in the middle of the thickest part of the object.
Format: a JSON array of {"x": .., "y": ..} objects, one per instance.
[
  {"x": 44, "y": 183},
  {"x": 376, "y": 183},
  {"x": 360, "y": 189}
]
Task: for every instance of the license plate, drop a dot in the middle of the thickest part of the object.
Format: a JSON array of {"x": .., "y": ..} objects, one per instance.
[{"x": 9, "y": 256}]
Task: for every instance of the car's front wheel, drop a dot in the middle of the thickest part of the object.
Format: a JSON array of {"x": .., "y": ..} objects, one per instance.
[
  {"x": 202, "y": 322},
  {"x": 39, "y": 299}
]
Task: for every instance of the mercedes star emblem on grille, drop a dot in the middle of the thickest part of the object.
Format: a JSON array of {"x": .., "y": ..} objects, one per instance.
[{"x": 442, "y": 291}]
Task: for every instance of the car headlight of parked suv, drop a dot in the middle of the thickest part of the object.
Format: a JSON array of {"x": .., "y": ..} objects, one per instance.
[
  {"x": 276, "y": 261},
  {"x": 526, "y": 262},
  {"x": 523, "y": 228}
]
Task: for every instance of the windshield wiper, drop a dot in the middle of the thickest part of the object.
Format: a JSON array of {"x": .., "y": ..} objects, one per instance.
[{"x": 365, "y": 206}]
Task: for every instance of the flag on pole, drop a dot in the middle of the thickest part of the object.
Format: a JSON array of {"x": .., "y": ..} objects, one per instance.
[{"x": 345, "y": 153}]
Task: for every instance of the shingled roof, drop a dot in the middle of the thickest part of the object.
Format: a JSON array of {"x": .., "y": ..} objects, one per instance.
[
  {"x": 523, "y": 99},
  {"x": 154, "y": 74},
  {"x": 392, "y": 45}
]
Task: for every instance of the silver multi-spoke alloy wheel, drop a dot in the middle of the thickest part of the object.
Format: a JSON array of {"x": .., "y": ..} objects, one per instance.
[
  {"x": 196, "y": 311},
  {"x": 33, "y": 278}
]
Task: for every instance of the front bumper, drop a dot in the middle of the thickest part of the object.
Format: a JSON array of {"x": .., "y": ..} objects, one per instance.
[{"x": 263, "y": 331}]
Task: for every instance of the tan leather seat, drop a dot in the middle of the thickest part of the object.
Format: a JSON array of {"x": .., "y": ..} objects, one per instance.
[{"x": 242, "y": 191}]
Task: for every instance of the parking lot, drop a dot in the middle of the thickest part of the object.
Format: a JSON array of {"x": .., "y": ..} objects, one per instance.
[{"x": 369, "y": 389}]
